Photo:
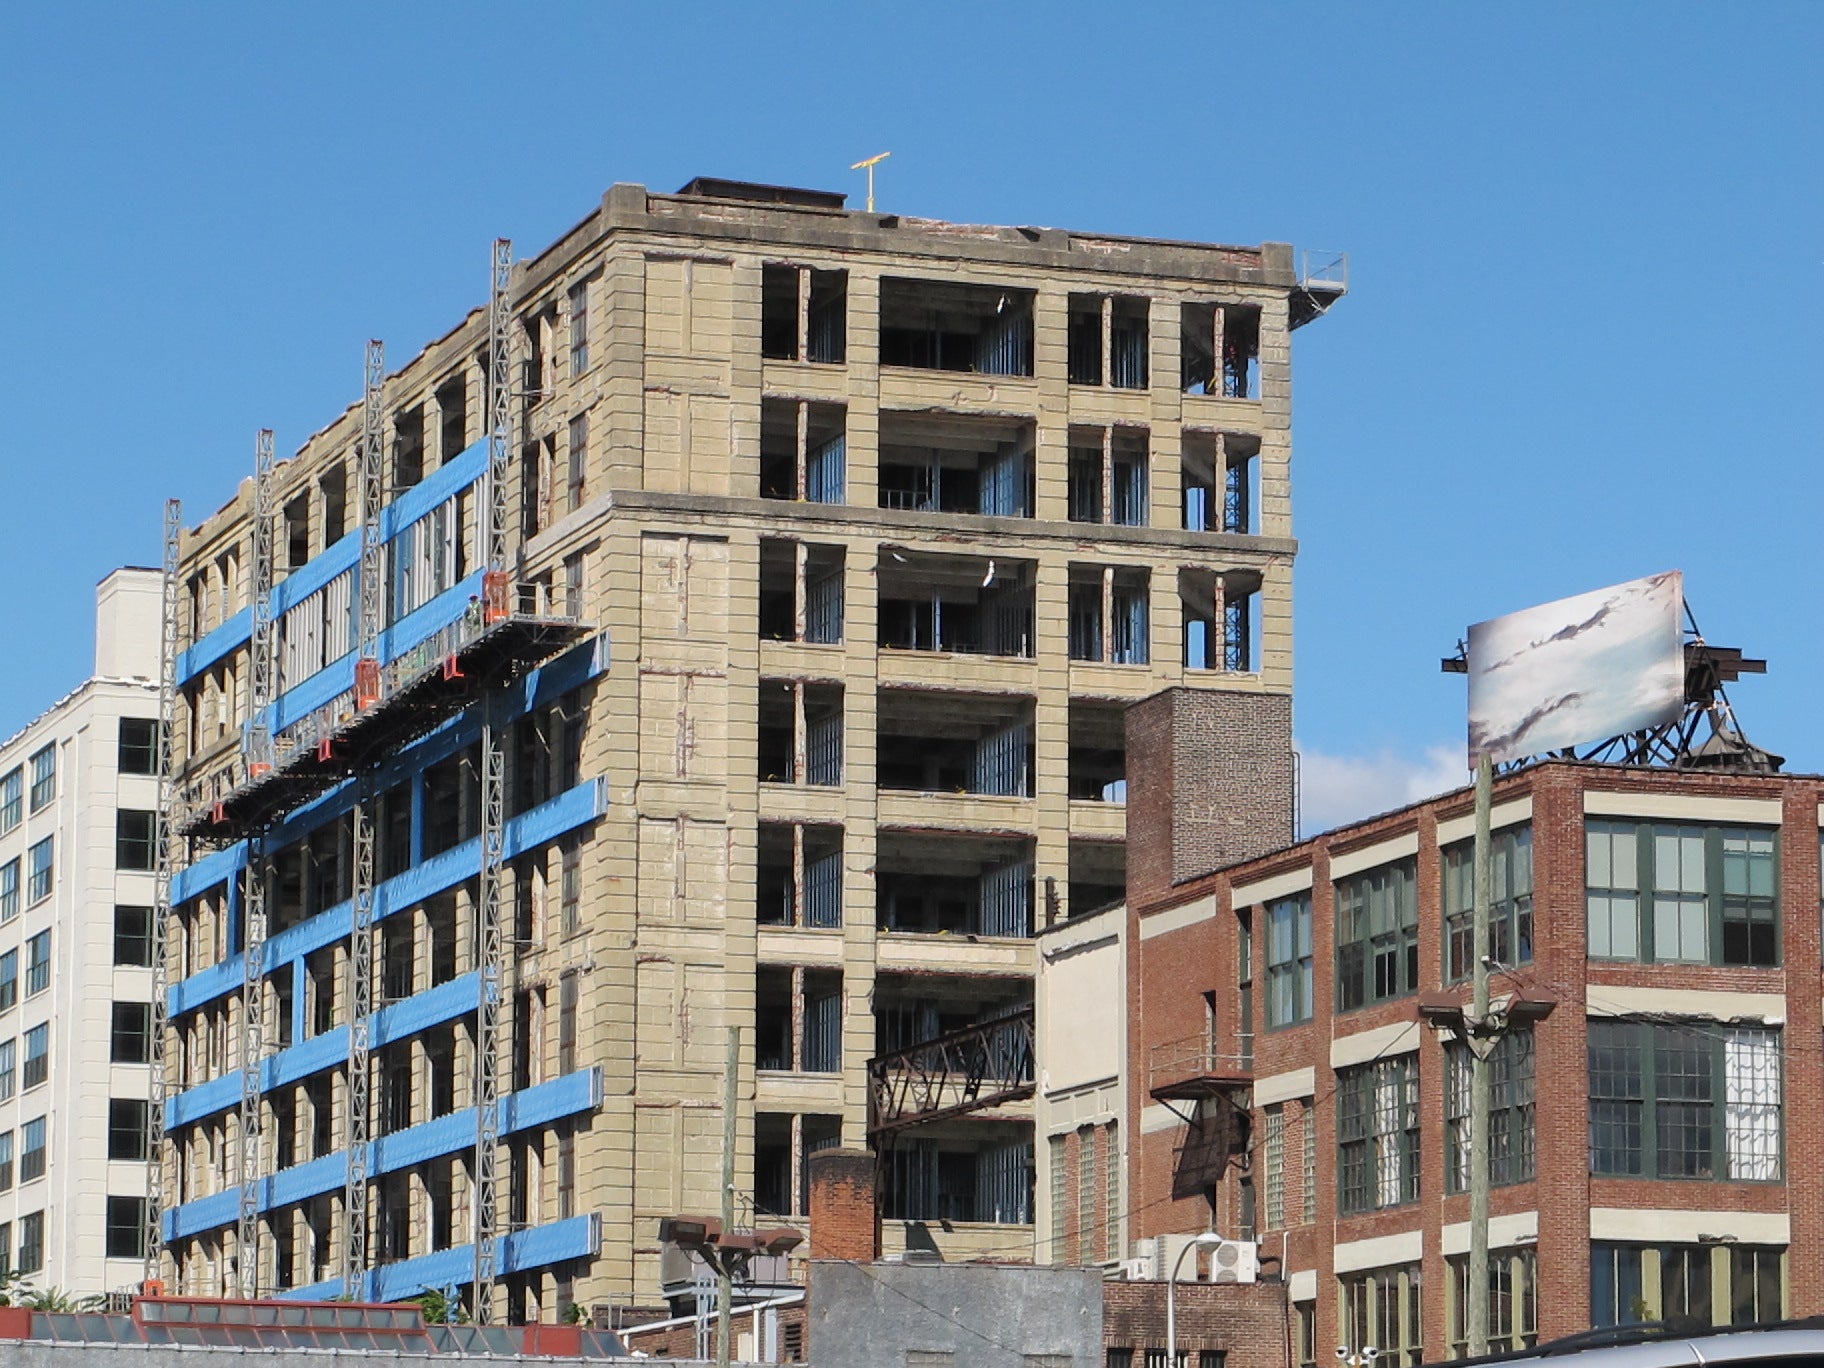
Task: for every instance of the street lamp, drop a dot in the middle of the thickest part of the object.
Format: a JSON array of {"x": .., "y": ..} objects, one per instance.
[
  {"x": 1209, "y": 1239},
  {"x": 728, "y": 1253}
]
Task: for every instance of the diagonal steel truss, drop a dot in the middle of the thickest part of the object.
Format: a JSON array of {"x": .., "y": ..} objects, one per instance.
[{"x": 972, "y": 1069}]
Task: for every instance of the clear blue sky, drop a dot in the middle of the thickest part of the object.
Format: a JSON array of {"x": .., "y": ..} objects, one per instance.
[{"x": 1582, "y": 342}]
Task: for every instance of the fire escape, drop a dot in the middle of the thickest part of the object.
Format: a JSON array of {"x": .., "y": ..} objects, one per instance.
[{"x": 1213, "y": 1095}]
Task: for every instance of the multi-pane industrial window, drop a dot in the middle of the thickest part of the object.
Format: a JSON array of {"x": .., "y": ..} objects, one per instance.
[
  {"x": 31, "y": 1150},
  {"x": 568, "y": 987},
  {"x": 1087, "y": 1189},
  {"x": 1711, "y": 893},
  {"x": 1510, "y": 902},
  {"x": 1513, "y": 1301},
  {"x": 37, "y": 1055},
  {"x": 1634, "y": 1283},
  {"x": 126, "y": 1128},
  {"x": 578, "y": 303},
  {"x": 38, "y": 963},
  {"x": 133, "y": 839},
  {"x": 38, "y": 862},
  {"x": 1377, "y": 936},
  {"x": 9, "y": 980},
  {"x": 44, "y": 777},
  {"x": 138, "y": 746},
  {"x": 1244, "y": 988},
  {"x": 1377, "y": 1127},
  {"x": 1510, "y": 1112},
  {"x": 1273, "y": 1167},
  {"x": 12, "y": 799},
  {"x": 1308, "y": 1191},
  {"x": 570, "y": 886},
  {"x": 426, "y": 559},
  {"x": 1380, "y": 1307},
  {"x": 131, "y": 1039},
  {"x": 9, "y": 889},
  {"x": 1060, "y": 1210},
  {"x": 133, "y": 936},
  {"x": 1685, "y": 1101},
  {"x": 576, "y": 485},
  {"x": 126, "y": 1237},
  {"x": 1111, "y": 1196},
  {"x": 1289, "y": 960},
  {"x": 31, "y": 1243},
  {"x": 9, "y": 1068}
]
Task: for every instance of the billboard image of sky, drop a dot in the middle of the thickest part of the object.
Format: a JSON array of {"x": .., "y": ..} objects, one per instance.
[{"x": 1579, "y": 670}]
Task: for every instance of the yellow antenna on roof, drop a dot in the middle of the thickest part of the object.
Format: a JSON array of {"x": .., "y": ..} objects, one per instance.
[{"x": 869, "y": 166}]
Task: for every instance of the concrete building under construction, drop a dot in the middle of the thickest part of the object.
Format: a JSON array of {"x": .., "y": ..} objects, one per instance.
[{"x": 731, "y": 625}]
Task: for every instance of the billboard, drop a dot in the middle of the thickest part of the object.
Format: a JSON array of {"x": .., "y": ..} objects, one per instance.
[{"x": 1577, "y": 671}]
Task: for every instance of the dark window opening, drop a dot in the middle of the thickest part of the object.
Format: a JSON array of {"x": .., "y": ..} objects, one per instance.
[
  {"x": 408, "y": 450},
  {"x": 801, "y": 592},
  {"x": 453, "y": 417},
  {"x": 1108, "y": 340},
  {"x": 1220, "y": 350},
  {"x": 138, "y": 748},
  {"x": 936, "y": 325},
  {"x": 1098, "y": 875},
  {"x": 1098, "y": 752},
  {"x": 798, "y": 875},
  {"x": 1109, "y": 614},
  {"x": 134, "y": 847},
  {"x": 967, "y": 605},
  {"x": 334, "y": 489},
  {"x": 961, "y": 1179},
  {"x": 1109, "y": 469},
  {"x": 955, "y": 464},
  {"x": 1220, "y": 477},
  {"x": 803, "y": 451},
  {"x": 955, "y": 743},
  {"x": 297, "y": 532},
  {"x": 955, "y": 885},
  {"x": 796, "y": 325},
  {"x": 801, "y": 732}
]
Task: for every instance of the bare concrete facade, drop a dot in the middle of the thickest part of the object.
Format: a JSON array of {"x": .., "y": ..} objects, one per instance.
[{"x": 884, "y": 521}]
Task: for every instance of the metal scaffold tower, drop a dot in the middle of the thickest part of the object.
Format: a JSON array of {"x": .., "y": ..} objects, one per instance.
[
  {"x": 493, "y": 515},
  {"x": 371, "y": 494},
  {"x": 258, "y": 755},
  {"x": 165, "y": 853}
]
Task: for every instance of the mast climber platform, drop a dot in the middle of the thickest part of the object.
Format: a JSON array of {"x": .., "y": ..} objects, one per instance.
[{"x": 507, "y": 631}]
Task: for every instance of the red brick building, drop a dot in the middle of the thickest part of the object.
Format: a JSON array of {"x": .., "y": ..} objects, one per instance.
[{"x": 1656, "y": 1139}]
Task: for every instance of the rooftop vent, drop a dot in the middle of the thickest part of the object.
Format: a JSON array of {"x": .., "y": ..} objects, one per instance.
[{"x": 712, "y": 187}]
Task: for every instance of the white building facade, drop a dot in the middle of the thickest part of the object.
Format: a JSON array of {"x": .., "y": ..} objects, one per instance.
[{"x": 78, "y": 793}]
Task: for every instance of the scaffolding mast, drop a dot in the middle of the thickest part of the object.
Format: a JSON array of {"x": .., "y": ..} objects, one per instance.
[
  {"x": 370, "y": 494},
  {"x": 258, "y": 755},
  {"x": 493, "y": 792},
  {"x": 165, "y": 860}
]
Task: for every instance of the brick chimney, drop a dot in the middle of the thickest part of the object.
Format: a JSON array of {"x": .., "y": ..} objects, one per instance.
[
  {"x": 1209, "y": 784},
  {"x": 844, "y": 1221}
]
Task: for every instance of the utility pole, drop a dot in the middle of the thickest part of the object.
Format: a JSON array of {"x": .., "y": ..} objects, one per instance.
[
  {"x": 1481, "y": 1041},
  {"x": 725, "y": 1284}
]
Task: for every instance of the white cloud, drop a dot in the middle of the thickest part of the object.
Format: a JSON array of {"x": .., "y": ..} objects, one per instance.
[{"x": 1337, "y": 789}]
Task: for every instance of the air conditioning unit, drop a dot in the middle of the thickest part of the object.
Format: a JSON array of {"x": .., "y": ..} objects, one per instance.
[
  {"x": 1232, "y": 1261},
  {"x": 1165, "y": 1251},
  {"x": 1235, "y": 1261},
  {"x": 1134, "y": 1270}
]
